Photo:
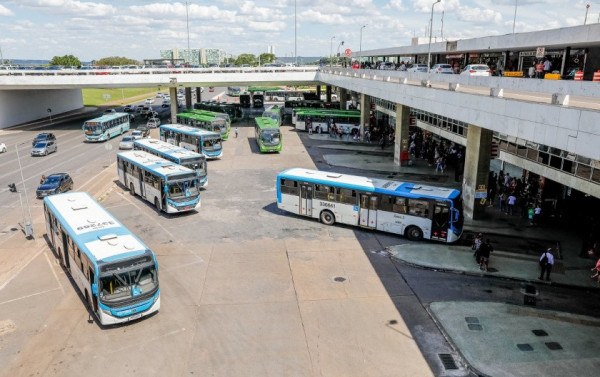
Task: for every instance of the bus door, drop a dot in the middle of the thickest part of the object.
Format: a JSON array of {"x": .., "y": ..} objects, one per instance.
[
  {"x": 124, "y": 168},
  {"x": 92, "y": 279},
  {"x": 306, "y": 195},
  {"x": 368, "y": 211},
  {"x": 141, "y": 178},
  {"x": 440, "y": 221},
  {"x": 65, "y": 250}
]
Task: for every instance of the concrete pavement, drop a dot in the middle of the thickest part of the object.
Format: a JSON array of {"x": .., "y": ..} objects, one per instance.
[{"x": 496, "y": 339}]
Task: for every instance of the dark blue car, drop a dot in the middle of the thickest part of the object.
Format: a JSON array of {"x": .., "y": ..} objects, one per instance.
[{"x": 54, "y": 184}]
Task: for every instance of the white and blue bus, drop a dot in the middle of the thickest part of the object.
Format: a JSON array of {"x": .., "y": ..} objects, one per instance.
[
  {"x": 116, "y": 273},
  {"x": 170, "y": 187},
  {"x": 106, "y": 126},
  {"x": 413, "y": 210},
  {"x": 178, "y": 155},
  {"x": 201, "y": 141}
]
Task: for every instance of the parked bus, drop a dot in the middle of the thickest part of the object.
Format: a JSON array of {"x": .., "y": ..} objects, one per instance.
[
  {"x": 234, "y": 110},
  {"x": 274, "y": 112},
  {"x": 201, "y": 141},
  {"x": 346, "y": 121},
  {"x": 224, "y": 116},
  {"x": 267, "y": 135},
  {"x": 178, "y": 155},
  {"x": 172, "y": 188},
  {"x": 281, "y": 95},
  {"x": 291, "y": 104},
  {"x": 205, "y": 120},
  {"x": 413, "y": 210},
  {"x": 115, "y": 272},
  {"x": 234, "y": 91},
  {"x": 106, "y": 126}
]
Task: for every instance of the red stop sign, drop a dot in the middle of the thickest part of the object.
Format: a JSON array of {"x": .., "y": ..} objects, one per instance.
[{"x": 348, "y": 52}]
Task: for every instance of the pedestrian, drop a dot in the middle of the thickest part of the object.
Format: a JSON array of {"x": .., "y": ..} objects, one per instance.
[
  {"x": 546, "y": 263},
  {"x": 382, "y": 141},
  {"x": 547, "y": 65},
  {"x": 476, "y": 245},
  {"x": 531, "y": 71},
  {"x": 43, "y": 179},
  {"x": 511, "y": 201},
  {"x": 539, "y": 69},
  {"x": 596, "y": 272},
  {"x": 537, "y": 213},
  {"x": 484, "y": 255},
  {"x": 236, "y": 132},
  {"x": 502, "y": 199},
  {"x": 367, "y": 136}
]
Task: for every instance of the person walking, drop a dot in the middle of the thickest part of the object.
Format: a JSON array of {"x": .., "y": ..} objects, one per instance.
[
  {"x": 484, "y": 255},
  {"x": 477, "y": 242},
  {"x": 236, "y": 132},
  {"x": 511, "y": 201},
  {"x": 546, "y": 263}
]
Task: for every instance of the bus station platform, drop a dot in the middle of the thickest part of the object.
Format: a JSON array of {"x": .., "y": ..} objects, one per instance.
[{"x": 495, "y": 338}]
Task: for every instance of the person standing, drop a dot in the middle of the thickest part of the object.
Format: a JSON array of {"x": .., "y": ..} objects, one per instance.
[
  {"x": 511, "y": 201},
  {"x": 546, "y": 263},
  {"x": 547, "y": 66},
  {"x": 539, "y": 69},
  {"x": 236, "y": 132},
  {"x": 537, "y": 213}
]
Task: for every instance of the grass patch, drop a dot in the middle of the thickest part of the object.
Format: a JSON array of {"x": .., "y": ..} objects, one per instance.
[{"x": 95, "y": 97}]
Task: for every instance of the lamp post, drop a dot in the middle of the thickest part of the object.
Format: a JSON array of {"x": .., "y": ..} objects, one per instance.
[
  {"x": 587, "y": 7},
  {"x": 331, "y": 50},
  {"x": 295, "y": 37},
  {"x": 27, "y": 225},
  {"x": 430, "y": 31},
  {"x": 515, "y": 16},
  {"x": 338, "y": 52},
  {"x": 360, "y": 45}
]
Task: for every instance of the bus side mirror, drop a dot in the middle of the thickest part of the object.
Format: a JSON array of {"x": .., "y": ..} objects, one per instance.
[
  {"x": 95, "y": 289},
  {"x": 455, "y": 214}
]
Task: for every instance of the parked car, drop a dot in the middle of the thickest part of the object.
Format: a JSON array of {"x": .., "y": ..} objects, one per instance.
[
  {"x": 44, "y": 136},
  {"x": 44, "y": 148},
  {"x": 145, "y": 110},
  {"x": 151, "y": 114},
  {"x": 129, "y": 109},
  {"x": 144, "y": 130},
  {"x": 149, "y": 101},
  {"x": 388, "y": 66},
  {"x": 442, "y": 68},
  {"x": 2, "y": 147},
  {"x": 54, "y": 184},
  {"x": 417, "y": 68},
  {"x": 110, "y": 111},
  {"x": 139, "y": 108},
  {"x": 153, "y": 123},
  {"x": 126, "y": 142},
  {"x": 476, "y": 70}
]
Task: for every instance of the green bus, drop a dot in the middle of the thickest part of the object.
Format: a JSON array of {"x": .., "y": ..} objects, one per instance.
[
  {"x": 234, "y": 110},
  {"x": 206, "y": 122},
  {"x": 274, "y": 112},
  {"x": 225, "y": 116},
  {"x": 267, "y": 135}
]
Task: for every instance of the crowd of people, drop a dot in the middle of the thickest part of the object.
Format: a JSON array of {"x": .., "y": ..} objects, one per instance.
[
  {"x": 441, "y": 155},
  {"x": 515, "y": 196}
]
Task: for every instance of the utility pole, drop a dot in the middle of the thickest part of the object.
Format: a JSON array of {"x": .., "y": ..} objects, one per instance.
[{"x": 295, "y": 36}]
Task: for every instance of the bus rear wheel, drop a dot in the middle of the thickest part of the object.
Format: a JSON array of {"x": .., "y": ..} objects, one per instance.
[
  {"x": 327, "y": 217},
  {"x": 414, "y": 233}
]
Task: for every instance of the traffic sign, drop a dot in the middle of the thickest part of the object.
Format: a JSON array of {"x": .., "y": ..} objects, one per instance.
[
  {"x": 540, "y": 52},
  {"x": 348, "y": 52}
]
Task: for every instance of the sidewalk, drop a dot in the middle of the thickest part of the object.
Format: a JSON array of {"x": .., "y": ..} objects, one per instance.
[{"x": 496, "y": 339}]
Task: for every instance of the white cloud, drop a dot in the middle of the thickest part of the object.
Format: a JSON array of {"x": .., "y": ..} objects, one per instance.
[
  {"x": 395, "y": 4},
  {"x": 72, "y": 7},
  {"x": 275, "y": 26},
  {"x": 4, "y": 11},
  {"x": 194, "y": 11},
  {"x": 317, "y": 17},
  {"x": 478, "y": 15}
]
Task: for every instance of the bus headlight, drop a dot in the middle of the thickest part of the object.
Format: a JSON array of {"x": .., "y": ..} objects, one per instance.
[{"x": 107, "y": 312}]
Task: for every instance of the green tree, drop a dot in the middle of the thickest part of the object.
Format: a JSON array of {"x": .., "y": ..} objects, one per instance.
[
  {"x": 266, "y": 58},
  {"x": 66, "y": 60},
  {"x": 245, "y": 59},
  {"x": 116, "y": 60}
]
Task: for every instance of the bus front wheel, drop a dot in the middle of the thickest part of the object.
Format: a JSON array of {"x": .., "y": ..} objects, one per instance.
[
  {"x": 327, "y": 218},
  {"x": 414, "y": 233}
]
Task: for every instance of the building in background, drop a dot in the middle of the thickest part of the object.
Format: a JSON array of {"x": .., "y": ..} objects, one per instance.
[
  {"x": 271, "y": 49},
  {"x": 211, "y": 56},
  {"x": 191, "y": 56}
]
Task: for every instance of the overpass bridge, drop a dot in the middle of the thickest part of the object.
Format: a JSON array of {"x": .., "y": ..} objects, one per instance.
[{"x": 563, "y": 116}]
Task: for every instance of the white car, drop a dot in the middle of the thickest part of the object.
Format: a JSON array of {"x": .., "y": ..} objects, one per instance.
[
  {"x": 2, "y": 147},
  {"x": 126, "y": 142},
  {"x": 137, "y": 135},
  {"x": 417, "y": 68},
  {"x": 153, "y": 123},
  {"x": 476, "y": 70},
  {"x": 442, "y": 68},
  {"x": 387, "y": 66},
  {"x": 149, "y": 101}
]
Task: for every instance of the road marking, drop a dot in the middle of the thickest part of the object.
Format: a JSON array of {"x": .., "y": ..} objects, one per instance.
[
  {"x": 54, "y": 273},
  {"x": 21, "y": 268},
  {"x": 28, "y": 296}
]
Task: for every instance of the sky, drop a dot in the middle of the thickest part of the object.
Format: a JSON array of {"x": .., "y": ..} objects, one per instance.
[{"x": 139, "y": 29}]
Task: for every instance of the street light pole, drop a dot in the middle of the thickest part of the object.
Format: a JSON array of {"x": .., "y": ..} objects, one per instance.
[
  {"x": 295, "y": 37},
  {"x": 331, "y": 50},
  {"x": 515, "y": 17},
  {"x": 587, "y": 7},
  {"x": 360, "y": 45},
  {"x": 28, "y": 226},
  {"x": 430, "y": 31},
  {"x": 338, "y": 52}
]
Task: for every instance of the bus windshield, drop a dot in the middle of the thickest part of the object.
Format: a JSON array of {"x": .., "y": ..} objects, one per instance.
[
  {"x": 92, "y": 129},
  {"x": 183, "y": 189},
  {"x": 212, "y": 144},
  {"x": 270, "y": 137},
  {"x": 122, "y": 286},
  {"x": 198, "y": 164}
]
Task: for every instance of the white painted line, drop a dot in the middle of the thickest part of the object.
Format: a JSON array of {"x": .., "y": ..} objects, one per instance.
[
  {"x": 21, "y": 268},
  {"x": 54, "y": 273},
  {"x": 28, "y": 296}
]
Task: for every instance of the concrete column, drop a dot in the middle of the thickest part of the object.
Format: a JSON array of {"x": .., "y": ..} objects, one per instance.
[
  {"x": 476, "y": 171},
  {"x": 328, "y": 93},
  {"x": 401, "y": 138},
  {"x": 564, "y": 67},
  {"x": 173, "y": 94},
  {"x": 188, "y": 98},
  {"x": 365, "y": 111},
  {"x": 319, "y": 92},
  {"x": 343, "y": 98},
  {"x": 198, "y": 94}
]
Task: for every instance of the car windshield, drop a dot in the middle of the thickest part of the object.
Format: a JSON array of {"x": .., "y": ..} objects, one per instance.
[
  {"x": 40, "y": 145},
  {"x": 52, "y": 179},
  {"x": 136, "y": 133},
  {"x": 127, "y": 138},
  {"x": 480, "y": 67}
]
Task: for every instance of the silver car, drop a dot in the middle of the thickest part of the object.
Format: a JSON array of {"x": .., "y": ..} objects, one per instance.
[
  {"x": 43, "y": 148},
  {"x": 442, "y": 68},
  {"x": 126, "y": 142}
]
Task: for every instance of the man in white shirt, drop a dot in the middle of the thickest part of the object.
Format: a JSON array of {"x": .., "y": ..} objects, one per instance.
[
  {"x": 511, "y": 201},
  {"x": 546, "y": 263}
]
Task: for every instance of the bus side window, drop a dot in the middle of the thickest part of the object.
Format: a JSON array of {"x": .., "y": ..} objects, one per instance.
[
  {"x": 399, "y": 205},
  {"x": 289, "y": 186},
  {"x": 347, "y": 196},
  {"x": 418, "y": 207},
  {"x": 323, "y": 192}
]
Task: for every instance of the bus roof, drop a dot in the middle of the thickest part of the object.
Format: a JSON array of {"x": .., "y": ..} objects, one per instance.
[
  {"x": 376, "y": 185},
  {"x": 95, "y": 231},
  {"x": 197, "y": 116},
  {"x": 264, "y": 123},
  {"x": 326, "y": 111},
  {"x": 164, "y": 148},
  {"x": 157, "y": 165},
  {"x": 187, "y": 130},
  {"x": 253, "y": 89},
  {"x": 205, "y": 112},
  {"x": 107, "y": 117}
]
